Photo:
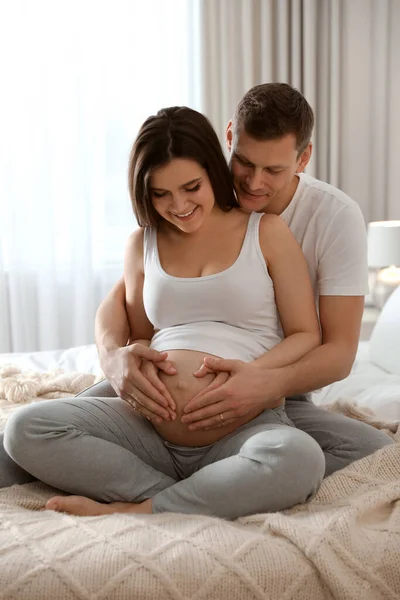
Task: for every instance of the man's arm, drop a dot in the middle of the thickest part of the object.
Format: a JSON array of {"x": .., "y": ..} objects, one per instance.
[
  {"x": 112, "y": 329},
  {"x": 342, "y": 283},
  {"x": 340, "y": 318},
  {"x": 260, "y": 384}
]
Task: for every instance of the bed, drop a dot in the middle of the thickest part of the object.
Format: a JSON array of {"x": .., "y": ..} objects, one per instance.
[{"x": 343, "y": 544}]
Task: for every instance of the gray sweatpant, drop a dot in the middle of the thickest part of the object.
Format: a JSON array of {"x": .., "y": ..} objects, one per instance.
[
  {"x": 343, "y": 440},
  {"x": 101, "y": 448}
]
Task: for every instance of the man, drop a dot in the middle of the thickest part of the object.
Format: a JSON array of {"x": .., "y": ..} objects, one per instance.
[{"x": 269, "y": 141}]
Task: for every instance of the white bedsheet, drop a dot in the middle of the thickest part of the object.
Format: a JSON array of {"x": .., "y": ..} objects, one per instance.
[
  {"x": 82, "y": 358},
  {"x": 368, "y": 384}
]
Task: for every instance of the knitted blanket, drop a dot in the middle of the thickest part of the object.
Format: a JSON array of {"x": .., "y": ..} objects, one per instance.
[
  {"x": 344, "y": 544},
  {"x": 21, "y": 387}
]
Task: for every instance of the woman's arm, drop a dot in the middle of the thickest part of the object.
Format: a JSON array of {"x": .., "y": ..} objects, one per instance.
[{"x": 294, "y": 296}]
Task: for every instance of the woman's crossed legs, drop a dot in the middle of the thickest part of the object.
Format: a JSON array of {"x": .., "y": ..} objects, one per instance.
[{"x": 101, "y": 449}]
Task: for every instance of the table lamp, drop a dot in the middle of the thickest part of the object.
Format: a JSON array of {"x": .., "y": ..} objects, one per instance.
[{"x": 384, "y": 258}]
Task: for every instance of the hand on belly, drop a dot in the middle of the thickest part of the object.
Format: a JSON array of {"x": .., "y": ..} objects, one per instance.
[{"x": 183, "y": 387}]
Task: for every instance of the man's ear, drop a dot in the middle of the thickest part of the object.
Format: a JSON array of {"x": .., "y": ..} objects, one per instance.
[
  {"x": 304, "y": 158},
  {"x": 229, "y": 136}
]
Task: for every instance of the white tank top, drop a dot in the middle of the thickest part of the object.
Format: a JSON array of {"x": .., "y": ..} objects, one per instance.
[{"x": 231, "y": 314}]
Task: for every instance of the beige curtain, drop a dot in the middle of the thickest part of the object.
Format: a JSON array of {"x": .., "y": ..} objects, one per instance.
[{"x": 343, "y": 55}]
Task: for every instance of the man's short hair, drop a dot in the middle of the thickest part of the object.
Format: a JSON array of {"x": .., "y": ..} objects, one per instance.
[{"x": 271, "y": 110}]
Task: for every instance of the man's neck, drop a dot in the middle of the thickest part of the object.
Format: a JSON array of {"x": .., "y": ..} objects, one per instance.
[{"x": 284, "y": 198}]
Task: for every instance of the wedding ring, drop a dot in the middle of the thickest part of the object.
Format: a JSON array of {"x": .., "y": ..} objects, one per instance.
[{"x": 221, "y": 416}]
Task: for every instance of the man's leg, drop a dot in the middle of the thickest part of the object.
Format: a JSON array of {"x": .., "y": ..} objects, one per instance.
[
  {"x": 343, "y": 440},
  {"x": 10, "y": 472},
  {"x": 93, "y": 447},
  {"x": 264, "y": 466}
]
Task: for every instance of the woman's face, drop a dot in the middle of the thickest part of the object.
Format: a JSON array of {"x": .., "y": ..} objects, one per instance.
[{"x": 182, "y": 194}]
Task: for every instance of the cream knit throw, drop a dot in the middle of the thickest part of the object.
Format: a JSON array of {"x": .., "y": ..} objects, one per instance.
[
  {"x": 343, "y": 544},
  {"x": 24, "y": 386}
]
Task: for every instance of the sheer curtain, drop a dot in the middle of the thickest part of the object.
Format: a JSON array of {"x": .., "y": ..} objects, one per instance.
[
  {"x": 78, "y": 78},
  {"x": 343, "y": 55}
]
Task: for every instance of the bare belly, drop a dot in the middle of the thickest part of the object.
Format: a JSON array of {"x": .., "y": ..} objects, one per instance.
[{"x": 183, "y": 387}]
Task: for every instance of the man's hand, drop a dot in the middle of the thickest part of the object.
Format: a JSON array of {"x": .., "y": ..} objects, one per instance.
[
  {"x": 132, "y": 372},
  {"x": 249, "y": 389}
]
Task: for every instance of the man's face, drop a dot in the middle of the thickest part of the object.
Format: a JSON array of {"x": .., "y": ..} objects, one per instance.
[{"x": 264, "y": 171}]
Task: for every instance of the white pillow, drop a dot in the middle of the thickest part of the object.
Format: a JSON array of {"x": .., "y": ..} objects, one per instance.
[{"x": 385, "y": 338}]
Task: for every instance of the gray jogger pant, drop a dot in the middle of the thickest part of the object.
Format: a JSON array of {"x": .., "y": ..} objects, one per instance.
[
  {"x": 343, "y": 440},
  {"x": 101, "y": 448}
]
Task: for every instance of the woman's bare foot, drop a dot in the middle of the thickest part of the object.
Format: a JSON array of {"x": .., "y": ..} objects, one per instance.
[{"x": 85, "y": 507}]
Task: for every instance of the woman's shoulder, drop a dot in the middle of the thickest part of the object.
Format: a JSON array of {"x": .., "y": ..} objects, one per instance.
[
  {"x": 274, "y": 234},
  {"x": 239, "y": 216},
  {"x": 235, "y": 218},
  {"x": 134, "y": 244},
  {"x": 137, "y": 236},
  {"x": 272, "y": 224}
]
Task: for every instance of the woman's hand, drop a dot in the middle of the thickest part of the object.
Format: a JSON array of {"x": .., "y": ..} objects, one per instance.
[
  {"x": 138, "y": 383},
  {"x": 246, "y": 390},
  {"x": 150, "y": 370}
]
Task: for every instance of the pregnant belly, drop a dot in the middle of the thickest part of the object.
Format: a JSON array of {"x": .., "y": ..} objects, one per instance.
[{"x": 182, "y": 387}]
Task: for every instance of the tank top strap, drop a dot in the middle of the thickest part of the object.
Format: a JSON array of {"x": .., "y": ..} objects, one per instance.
[
  {"x": 254, "y": 221},
  {"x": 149, "y": 245},
  {"x": 252, "y": 236}
]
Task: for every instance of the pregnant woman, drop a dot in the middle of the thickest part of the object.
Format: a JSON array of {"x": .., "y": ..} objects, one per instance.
[{"x": 203, "y": 279}]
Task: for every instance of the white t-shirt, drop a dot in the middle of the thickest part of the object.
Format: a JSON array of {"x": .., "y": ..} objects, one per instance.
[{"x": 331, "y": 230}]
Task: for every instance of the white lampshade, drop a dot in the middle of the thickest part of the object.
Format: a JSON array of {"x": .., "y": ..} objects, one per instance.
[{"x": 383, "y": 244}]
